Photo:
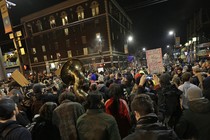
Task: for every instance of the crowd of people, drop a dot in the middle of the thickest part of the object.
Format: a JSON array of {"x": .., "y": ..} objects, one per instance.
[{"x": 129, "y": 104}]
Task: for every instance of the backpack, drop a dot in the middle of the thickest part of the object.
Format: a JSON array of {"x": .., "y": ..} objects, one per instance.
[
  {"x": 169, "y": 105},
  {"x": 7, "y": 130}
]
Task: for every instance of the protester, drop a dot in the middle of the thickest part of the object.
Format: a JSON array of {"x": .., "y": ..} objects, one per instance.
[
  {"x": 197, "y": 78},
  {"x": 195, "y": 123},
  {"x": 9, "y": 128},
  {"x": 43, "y": 128},
  {"x": 147, "y": 127},
  {"x": 66, "y": 115},
  {"x": 168, "y": 101},
  {"x": 104, "y": 126},
  {"x": 206, "y": 85},
  {"x": 186, "y": 79},
  {"x": 118, "y": 108}
]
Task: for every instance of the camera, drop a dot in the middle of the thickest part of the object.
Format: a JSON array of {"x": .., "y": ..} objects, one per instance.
[{"x": 148, "y": 78}]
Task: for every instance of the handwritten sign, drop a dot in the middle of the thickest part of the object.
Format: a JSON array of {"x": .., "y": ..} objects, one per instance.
[
  {"x": 154, "y": 61},
  {"x": 19, "y": 78}
]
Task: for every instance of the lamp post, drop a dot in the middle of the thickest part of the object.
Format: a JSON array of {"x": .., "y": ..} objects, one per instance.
[
  {"x": 99, "y": 41},
  {"x": 172, "y": 33},
  {"x": 194, "y": 40},
  {"x": 128, "y": 40}
]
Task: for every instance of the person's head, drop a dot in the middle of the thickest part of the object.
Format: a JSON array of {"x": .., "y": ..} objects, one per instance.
[
  {"x": 165, "y": 79},
  {"x": 179, "y": 70},
  {"x": 115, "y": 90},
  {"x": 66, "y": 96},
  {"x": 194, "y": 93},
  {"x": 7, "y": 109},
  {"x": 176, "y": 81},
  {"x": 46, "y": 111},
  {"x": 94, "y": 100},
  {"x": 195, "y": 69},
  {"x": 186, "y": 77},
  {"x": 93, "y": 87},
  {"x": 37, "y": 88},
  {"x": 142, "y": 105}
]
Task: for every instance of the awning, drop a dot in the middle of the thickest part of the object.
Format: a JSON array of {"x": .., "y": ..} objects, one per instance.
[{"x": 204, "y": 45}]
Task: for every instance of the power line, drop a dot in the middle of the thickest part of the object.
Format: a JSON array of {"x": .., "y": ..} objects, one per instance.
[{"x": 144, "y": 4}]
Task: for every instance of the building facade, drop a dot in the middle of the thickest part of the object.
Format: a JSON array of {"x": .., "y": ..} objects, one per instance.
[
  {"x": 94, "y": 31},
  {"x": 198, "y": 35}
]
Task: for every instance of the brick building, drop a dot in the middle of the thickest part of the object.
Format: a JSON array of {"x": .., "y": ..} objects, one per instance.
[{"x": 94, "y": 31}]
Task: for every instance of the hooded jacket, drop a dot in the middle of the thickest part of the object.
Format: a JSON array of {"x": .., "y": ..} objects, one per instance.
[
  {"x": 195, "y": 122},
  {"x": 18, "y": 133}
]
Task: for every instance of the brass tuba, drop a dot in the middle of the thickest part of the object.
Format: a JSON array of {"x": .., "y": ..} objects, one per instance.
[{"x": 72, "y": 73}]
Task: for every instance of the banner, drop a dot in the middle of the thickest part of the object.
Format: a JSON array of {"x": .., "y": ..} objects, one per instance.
[
  {"x": 154, "y": 61},
  {"x": 5, "y": 17},
  {"x": 19, "y": 78}
]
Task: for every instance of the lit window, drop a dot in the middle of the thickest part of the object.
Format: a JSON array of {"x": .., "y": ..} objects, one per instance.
[
  {"x": 43, "y": 48},
  {"x": 39, "y": 25},
  {"x": 98, "y": 35},
  {"x": 58, "y": 55},
  {"x": 45, "y": 58},
  {"x": 66, "y": 31},
  {"x": 22, "y": 51},
  {"x": 64, "y": 18},
  {"x": 95, "y": 8},
  {"x": 30, "y": 29},
  {"x": 34, "y": 50},
  {"x": 35, "y": 59},
  {"x": 69, "y": 53},
  {"x": 85, "y": 50},
  {"x": 52, "y": 22},
  {"x": 80, "y": 13}
]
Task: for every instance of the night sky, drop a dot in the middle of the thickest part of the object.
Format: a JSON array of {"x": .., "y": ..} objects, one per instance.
[{"x": 151, "y": 20}]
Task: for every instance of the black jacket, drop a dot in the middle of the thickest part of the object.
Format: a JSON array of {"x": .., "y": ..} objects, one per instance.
[
  {"x": 195, "y": 122},
  {"x": 149, "y": 129},
  {"x": 169, "y": 104},
  {"x": 44, "y": 130},
  {"x": 18, "y": 133}
]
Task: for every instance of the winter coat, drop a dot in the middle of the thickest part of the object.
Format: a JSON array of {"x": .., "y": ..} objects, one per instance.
[
  {"x": 65, "y": 117},
  {"x": 44, "y": 130},
  {"x": 18, "y": 133},
  {"x": 148, "y": 128},
  {"x": 169, "y": 104},
  {"x": 97, "y": 125},
  {"x": 195, "y": 122}
]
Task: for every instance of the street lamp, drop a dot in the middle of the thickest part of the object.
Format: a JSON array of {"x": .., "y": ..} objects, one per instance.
[
  {"x": 127, "y": 41},
  {"x": 130, "y": 38},
  {"x": 144, "y": 49},
  {"x": 168, "y": 46},
  {"x": 171, "y": 33}
]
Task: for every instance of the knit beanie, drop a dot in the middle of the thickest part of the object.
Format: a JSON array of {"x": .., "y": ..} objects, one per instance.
[{"x": 194, "y": 93}]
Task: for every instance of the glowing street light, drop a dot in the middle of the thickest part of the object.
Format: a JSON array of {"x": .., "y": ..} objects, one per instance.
[
  {"x": 144, "y": 49},
  {"x": 168, "y": 46},
  {"x": 130, "y": 38},
  {"x": 171, "y": 33}
]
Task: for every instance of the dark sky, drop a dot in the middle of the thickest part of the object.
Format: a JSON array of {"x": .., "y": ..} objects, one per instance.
[{"x": 151, "y": 23}]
